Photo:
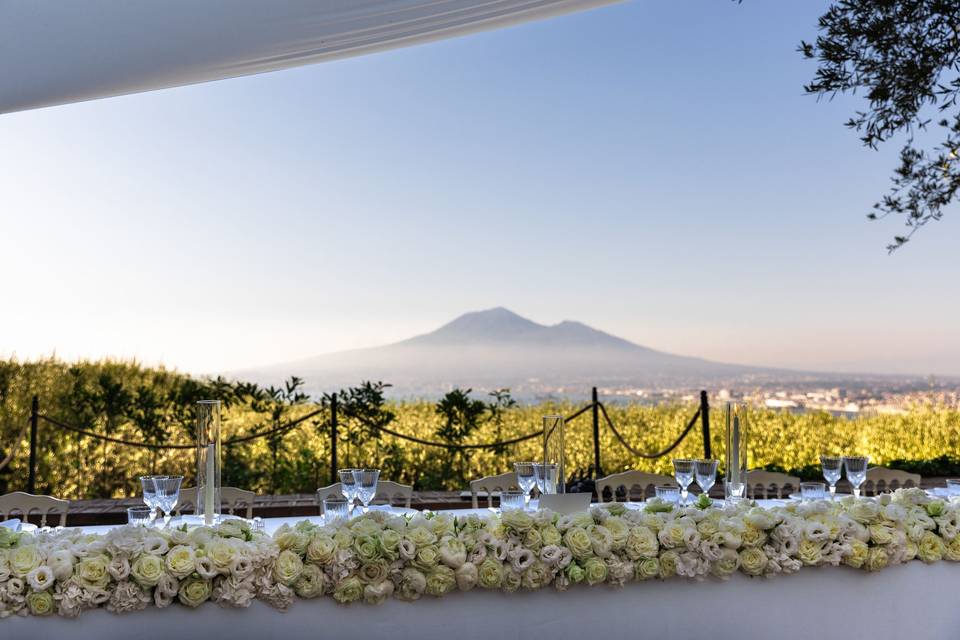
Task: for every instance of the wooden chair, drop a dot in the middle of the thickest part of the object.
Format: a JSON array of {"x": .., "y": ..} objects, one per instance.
[
  {"x": 630, "y": 480},
  {"x": 234, "y": 499},
  {"x": 883, "y": 480},
  {"x": 761, "y": 484},
  {"x": 503, "y": 482},
  {"x": 25, "y": 504},
  {"x": 387, "y": 492}
]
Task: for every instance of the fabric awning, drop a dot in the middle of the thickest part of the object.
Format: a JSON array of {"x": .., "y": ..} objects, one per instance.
[{"x": 55, "y": 52}]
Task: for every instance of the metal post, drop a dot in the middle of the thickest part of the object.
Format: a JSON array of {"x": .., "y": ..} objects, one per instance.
[
  {"x": 333, "y": 439},
  {"x": 34, "y": 419},
  {"x": 705, "y": 424},
  {"x": 596, "y": 434}
]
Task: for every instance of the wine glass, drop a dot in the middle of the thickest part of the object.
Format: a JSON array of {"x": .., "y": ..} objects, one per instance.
[
  {"x": 149, "y": 495},
  {"x": 526, "y": 480},
  {"x": 856, "y": 467},
  {"x": 706, "y": 475},
  {"x": 366, "y": 481},
  {"x": 832, "y": 470},
  {"x": 348, "y": 486},
  {"x": 546, "y": 476},
  {"x": 683, "y": 471},
  {"x": 167, "y": 494}
]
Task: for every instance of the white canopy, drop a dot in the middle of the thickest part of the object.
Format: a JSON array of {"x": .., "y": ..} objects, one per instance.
[{"x": 55, "y": 51}]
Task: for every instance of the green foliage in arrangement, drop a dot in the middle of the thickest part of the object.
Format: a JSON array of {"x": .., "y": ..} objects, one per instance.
[{"x": 128, "y": 401}]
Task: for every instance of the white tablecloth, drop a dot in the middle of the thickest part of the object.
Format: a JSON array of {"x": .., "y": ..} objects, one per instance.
[{"x": 907, "y": 601}]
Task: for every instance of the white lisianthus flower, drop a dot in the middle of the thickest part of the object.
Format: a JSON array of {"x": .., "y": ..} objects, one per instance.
[
  {"x": 378, "y": 593},
  {"x": 467, "y": 576},
  {"x": 452, "y": 551},
  {"x": 60, "y": 562},
  {"x": 41, "y": 578}
]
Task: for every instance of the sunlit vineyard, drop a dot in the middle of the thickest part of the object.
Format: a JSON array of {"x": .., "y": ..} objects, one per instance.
[{"x": 129, "y": 402}]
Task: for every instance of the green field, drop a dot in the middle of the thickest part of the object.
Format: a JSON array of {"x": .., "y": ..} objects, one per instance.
[{"x": 127, "y": 401}]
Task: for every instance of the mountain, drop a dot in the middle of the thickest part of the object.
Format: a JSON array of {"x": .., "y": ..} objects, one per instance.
[{"x": 498, "y": 348}]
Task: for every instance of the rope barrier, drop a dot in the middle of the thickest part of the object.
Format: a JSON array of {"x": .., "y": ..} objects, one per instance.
[
  {"x": 458, "y": 447},
  {"x": 149, "y": 445},
  {"x": 16, "y": 445},
  {"x": 648, "y": 456}
]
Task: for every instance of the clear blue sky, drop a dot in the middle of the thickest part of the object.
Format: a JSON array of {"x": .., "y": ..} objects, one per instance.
[{"x": 652, "y": 169}]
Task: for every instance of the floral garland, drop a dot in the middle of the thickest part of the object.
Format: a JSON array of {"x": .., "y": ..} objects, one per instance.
[{"x": 378, "y": 556}]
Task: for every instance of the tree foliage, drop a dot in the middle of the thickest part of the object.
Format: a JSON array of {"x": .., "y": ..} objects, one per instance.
[{"x": 904, "y": 56}]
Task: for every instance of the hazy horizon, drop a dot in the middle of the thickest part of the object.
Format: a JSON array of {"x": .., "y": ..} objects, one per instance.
[{"x": 652, "y": 170}]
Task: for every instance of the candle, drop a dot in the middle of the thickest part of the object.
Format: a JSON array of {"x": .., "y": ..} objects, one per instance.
[
  {"x": 209, "y": 489},
  {"x": 735, "y": 454}
]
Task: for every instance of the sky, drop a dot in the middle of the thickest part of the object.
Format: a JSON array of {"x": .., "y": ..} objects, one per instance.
[{"x": 652, "y": 169}]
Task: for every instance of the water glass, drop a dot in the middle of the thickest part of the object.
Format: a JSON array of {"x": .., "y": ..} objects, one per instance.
[
  {"x": 511, "y": 500},
  {"x": 335, "y": 508},
  {"x": 683, "y": 471},
  {"x": 812, "y": 491},
  {"x": 706, "y": 474},
  {"x": 546, "y": 477},
  {"x": 149, "y": 495},
  {"x": 348, "y": 486},
  {"x": 856, "y": 468},
  {"x": 366, "y": 480},
  {"x": 167, "y": 494},
  {"x": 953, "y": 490},
  {"x": 668, "y": 493},
  {"x": 526, "y": 480},
  {"x": 832, "y": 470},
  {"x": 140, "y": 516}
]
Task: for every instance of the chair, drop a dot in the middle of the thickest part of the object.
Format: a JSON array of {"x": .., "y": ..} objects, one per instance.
[
  {"x": 387, "y": 492},
  {"x": 761, "y": 484},
  {"x": 231, "y": 497},
  {"x": 25, "y": 503},
  {"x": 630, "y": 480},
  {"x": 883, "y": 480},
  {"x": 503, "y": 482}
]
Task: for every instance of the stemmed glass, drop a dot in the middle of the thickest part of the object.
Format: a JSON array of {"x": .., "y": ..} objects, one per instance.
[
  {"x": 526, "y": 480},
  {"x": 149, "y": 495},
  {"x": 683, "y": 471},
  {"x": 856, "y": 467},
  {"x": 832, "y": 470},
  {"x": 706, "y": 474},
  {"x": 167, "y": 494},
  {"x": 348, "y": 486},
  {"x": 366, "y": 481},
  {"x": 546, "y": 476}
]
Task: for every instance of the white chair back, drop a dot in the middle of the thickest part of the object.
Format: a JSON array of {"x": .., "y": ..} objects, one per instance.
[
  {"x": 644, "y": 484},
  {"x": 488, "y": 485},
  {"x": 25, "y": 504},
  {"x": 232, "y": 498},
  {"x": 388, "y": 491},
  {"x": 883, "y": 480},
  {"x": 770, "y": 484}
]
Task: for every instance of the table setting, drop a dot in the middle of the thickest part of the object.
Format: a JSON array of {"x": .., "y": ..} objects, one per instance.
[{"x": 668, "y": 565}]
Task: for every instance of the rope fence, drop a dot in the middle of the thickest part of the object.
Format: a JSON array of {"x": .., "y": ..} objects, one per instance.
[{"x": 595, "y": 406}]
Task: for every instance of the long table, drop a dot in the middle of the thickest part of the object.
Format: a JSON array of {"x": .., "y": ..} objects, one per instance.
[{"x": 912, "y": 600}]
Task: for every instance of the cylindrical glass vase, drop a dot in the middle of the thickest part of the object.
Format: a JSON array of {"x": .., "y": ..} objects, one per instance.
[
  {"x": 208, "y": 461},
  {"x": 553, "y": 448},
  {"x": 735, "y": 472}
]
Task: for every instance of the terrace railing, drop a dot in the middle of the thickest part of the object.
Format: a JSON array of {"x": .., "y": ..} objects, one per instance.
[{"x": 594, "y": 407}]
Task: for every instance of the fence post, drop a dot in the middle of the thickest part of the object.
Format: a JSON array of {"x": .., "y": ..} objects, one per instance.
[
  {"x": 705, "y": 424},
  {"x": 34, "y": 419},
  {"x": 596, "y": 434},
  {"x": 333, "y": 439}
]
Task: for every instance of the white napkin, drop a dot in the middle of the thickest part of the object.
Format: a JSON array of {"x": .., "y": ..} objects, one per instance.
[{"x": 13, "y": 523}]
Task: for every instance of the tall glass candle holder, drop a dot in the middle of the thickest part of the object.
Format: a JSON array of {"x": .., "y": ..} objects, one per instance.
[
  {"x": 735, "y": 479},
  {"x": 553, "y": 448},
  {"x": 208, "y": 461}
]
